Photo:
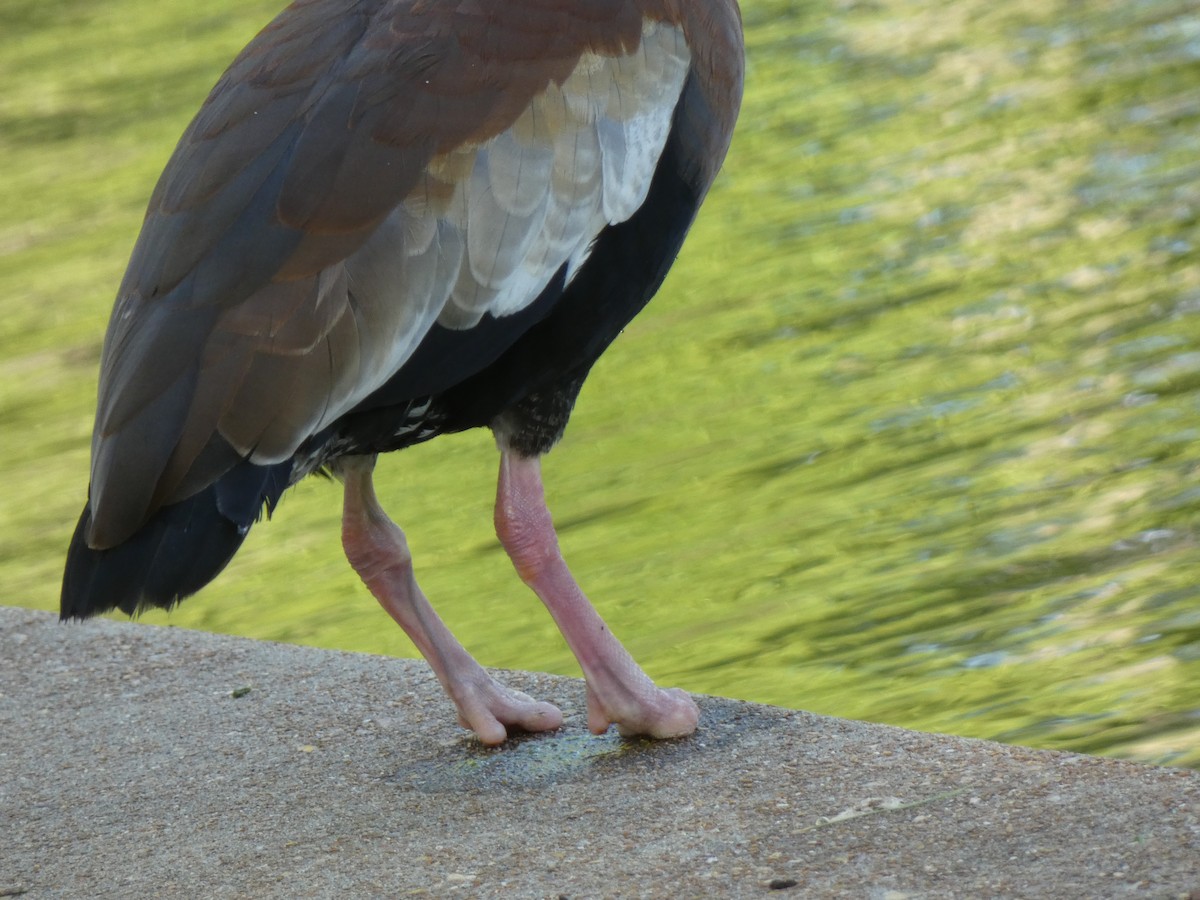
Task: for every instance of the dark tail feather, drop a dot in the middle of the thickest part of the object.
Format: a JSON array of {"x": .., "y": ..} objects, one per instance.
[{"x": 181, "y": 549}]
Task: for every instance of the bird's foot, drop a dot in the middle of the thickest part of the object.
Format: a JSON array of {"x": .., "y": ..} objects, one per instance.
[
  {"x": 642, "y": 709},
  {"x": 489, "y": 708},
  {"x": 619, "y": 692}
]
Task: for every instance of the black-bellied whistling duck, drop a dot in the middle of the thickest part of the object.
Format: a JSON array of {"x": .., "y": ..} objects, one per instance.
[{"x": 391, "y": 220}]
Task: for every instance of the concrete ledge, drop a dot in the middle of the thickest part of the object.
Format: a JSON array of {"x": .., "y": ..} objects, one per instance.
[{"x": 134, "y": 763}]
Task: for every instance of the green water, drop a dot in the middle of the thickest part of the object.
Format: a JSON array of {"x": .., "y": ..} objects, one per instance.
[{"x": 910, "y": 436}]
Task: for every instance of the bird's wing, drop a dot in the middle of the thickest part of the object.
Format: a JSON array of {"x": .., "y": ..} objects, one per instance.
[{"x": 363, "y": 170}]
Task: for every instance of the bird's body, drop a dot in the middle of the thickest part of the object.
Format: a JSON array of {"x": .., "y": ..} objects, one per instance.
[{"x": 390, "y": 220}]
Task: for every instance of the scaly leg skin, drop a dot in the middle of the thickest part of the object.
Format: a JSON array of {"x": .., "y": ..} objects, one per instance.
[
  {"x": 379, "y": 554},
  {"x": 618, "y": 691}
]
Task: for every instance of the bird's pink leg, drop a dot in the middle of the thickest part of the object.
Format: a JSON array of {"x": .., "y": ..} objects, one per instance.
[
  {"x": 618, "y": 691},
  {"x": 379, "y": 554}
]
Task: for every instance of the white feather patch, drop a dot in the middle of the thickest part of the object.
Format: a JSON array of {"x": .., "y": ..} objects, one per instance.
[{"x": 490, "y": 225}]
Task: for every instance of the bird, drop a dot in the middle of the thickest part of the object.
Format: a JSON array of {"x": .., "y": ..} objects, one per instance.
[{"x": 392, "y": 220}]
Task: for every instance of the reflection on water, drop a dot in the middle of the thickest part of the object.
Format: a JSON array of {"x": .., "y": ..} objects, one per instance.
[
  {"x": 988, "y": 369},
  {"x": 911, "y": 436}
]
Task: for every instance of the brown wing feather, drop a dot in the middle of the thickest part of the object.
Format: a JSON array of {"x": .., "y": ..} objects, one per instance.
[{"x": 235, "y": 327}]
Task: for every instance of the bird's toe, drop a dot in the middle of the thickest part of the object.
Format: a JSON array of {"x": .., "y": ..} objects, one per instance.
[
  {"x": 654, "y": 713},
  {"x": 491, "y": 709}
]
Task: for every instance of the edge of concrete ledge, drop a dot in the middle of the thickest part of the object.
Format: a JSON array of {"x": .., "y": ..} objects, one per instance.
[{"x": 145, "y": 761}]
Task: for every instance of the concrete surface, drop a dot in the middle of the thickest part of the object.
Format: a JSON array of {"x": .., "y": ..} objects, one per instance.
[{"x": 134, "y": 762}]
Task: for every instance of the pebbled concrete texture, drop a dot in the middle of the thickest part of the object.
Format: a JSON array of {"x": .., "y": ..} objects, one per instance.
[{"x": 138, "y": 761}]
